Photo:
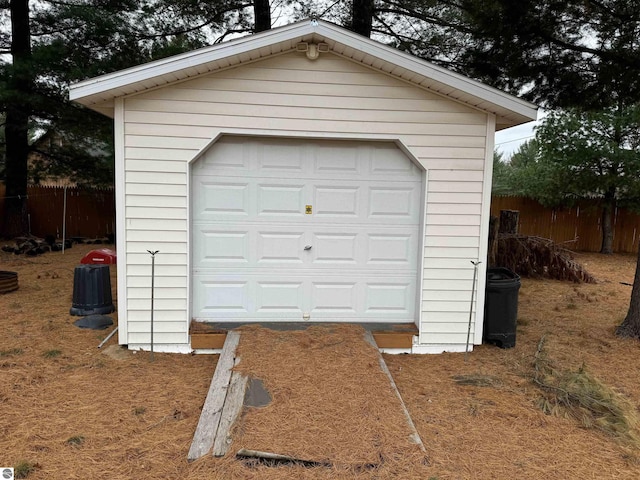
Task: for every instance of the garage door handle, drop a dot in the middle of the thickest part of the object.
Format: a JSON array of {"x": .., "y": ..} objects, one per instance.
[{"x": 307, "y": 247}]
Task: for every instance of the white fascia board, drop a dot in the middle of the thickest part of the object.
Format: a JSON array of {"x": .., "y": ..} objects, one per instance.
[
  {"x": 434, "y": 72},
  {"x": 101, "y": 90},
  {"x": 146, "y": 71}
]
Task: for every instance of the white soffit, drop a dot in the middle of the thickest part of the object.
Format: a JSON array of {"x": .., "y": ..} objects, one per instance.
[{"x": 98, "y": 93}]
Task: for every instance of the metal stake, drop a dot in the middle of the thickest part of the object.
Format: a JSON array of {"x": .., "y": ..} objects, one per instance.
[
  {"x": 153, "y": 268},
  {"x": 473, "y": 290}
]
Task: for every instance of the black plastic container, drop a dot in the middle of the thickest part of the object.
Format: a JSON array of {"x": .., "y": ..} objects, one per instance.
[
  {"x": 501, "y": 307},
  {"x": 91, "y": 291}
]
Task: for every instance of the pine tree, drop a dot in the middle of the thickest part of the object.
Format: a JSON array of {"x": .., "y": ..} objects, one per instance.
[
  {"x": 53, "y": 44},
  {"x": 16, "y": 97}
]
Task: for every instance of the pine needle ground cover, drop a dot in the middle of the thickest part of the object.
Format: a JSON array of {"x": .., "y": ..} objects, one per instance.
[
  {"x": 332, "y": 404},
  {"x": 111, "y": 413}
]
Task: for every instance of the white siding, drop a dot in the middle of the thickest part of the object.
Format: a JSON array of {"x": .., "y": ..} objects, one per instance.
[
  {"x": 452, "y": 241},
  {"x": 288, "y": 95}
]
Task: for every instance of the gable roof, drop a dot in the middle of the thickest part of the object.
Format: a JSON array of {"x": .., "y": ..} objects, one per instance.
[{"x": 99, "y": 93}]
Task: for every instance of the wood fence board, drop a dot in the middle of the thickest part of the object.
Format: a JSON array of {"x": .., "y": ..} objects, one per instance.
[
  {"x": 580, "y": 226},
  {"x": 90, "y": 211}
]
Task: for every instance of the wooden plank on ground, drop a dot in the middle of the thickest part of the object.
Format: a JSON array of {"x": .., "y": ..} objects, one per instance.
[
  {"x": 232, "y": 408},
  {"x": 209, "y": 421},
  {"x": 415, "y": 436}
]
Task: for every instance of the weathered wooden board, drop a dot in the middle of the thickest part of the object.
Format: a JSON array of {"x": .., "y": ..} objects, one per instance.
[
  {"x": 415, "y": 436},
  {"x": 209, "y": 422},
  {"x": 230, "y": 411}
]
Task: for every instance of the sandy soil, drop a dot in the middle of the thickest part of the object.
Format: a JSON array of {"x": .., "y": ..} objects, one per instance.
[{"x": 69, "y": 410}]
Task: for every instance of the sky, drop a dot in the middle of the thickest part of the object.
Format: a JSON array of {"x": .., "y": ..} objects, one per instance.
[{"x": 509, "y": 139}]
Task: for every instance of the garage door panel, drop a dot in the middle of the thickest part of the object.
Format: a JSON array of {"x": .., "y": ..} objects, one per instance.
[
  {"x": 223, "y": 198},
  {"x": 258, "y": 297},
  {"x": 391, "y": 161},
  {"x": 391, "y": 297},
  {"x": 283, "y": 200},
  {"x": 248, "y": 297},
  {"x": 336, "y": 201},
  {"x": 331, "y": 248},
  {"x": 393, "y": 202},
  {"x": 279, "y": 297},
  {"x": 280, "y": 247},
  {"x": 283, "y": 156},
  {"x": 284, "y": 247},
  {"x": 251, "y": 226},
  {"x": 391, "y": 248},
  {"x": 333, "y": 297},
  {"x": 221, "y": 246},
  {"x": 222, "y": 297},
  {"x": 227, "y": 156},
  {"x": 337, "y": 159}
]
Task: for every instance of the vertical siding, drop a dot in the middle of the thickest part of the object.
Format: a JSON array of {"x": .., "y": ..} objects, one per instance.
[{"x": 289, "y": 95}]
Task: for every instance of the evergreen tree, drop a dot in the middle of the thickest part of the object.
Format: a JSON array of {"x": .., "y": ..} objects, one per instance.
[
  {"x": 58, "y": 43},
  {"x": 578, "y": 155},
  {"x": 17, "y": 94},
  {"x": 570, "y": 54},
  {"x": 559, "y": 54},
  {"x": 500, "y": 180}
]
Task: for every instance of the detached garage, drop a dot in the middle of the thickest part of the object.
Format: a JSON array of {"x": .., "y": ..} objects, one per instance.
[{"x": 304, "y": 174}]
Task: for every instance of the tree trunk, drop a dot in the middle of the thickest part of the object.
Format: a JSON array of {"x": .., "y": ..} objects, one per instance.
[
  {"x": 630, "y": 326},
  {"x": 17, "y": 122},
  {"x": 607, "y": 222},
  {"x": 262, "y": 14},
  {"x": 509, "y": 221},
  {"x": 362, "y": 17},
  {"x": 492, "y": 250}
]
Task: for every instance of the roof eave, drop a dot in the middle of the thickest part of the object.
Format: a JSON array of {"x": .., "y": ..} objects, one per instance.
[{"x": 98, "y": 93}]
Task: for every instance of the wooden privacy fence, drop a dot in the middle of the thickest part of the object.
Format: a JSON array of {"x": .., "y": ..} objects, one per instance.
[
  {"x": 566, "y": 224},
  {"x": 90, "y": 211}
]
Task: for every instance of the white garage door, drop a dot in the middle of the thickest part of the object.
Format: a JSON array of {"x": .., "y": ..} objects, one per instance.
[{"x": 294, "y": 230}]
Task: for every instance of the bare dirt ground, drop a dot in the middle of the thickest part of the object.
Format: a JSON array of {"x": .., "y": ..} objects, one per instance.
[{"x": 69, "y": 410}]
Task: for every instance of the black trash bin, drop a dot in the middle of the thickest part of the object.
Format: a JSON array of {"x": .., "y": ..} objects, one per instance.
[
  {"x": 91, "y": 291},
  {"x": 501, "y": 307}
]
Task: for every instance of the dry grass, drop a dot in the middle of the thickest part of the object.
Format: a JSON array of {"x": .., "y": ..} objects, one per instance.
[{"x": 86, "y": 413}]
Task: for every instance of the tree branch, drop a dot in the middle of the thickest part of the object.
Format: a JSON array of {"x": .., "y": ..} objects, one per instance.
[{"x": 221, "y": 38}]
